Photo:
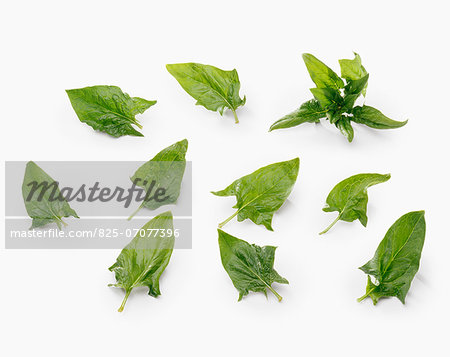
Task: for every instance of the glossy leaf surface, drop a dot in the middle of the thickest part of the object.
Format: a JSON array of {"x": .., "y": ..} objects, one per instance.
[
  {"x": 250, "y": 267},
  {"x": 322, "y": 75},
  {"x": 396, "y": 260},
  {"x": 374, "y": 118},
  {"x": 213, "y": 88},
  {"x": 349, "y": 198},
  {"x": 108, "y": 109},
  {"x": 163, "y": 173},
  {"x": 335, "y": 101},
  {"x": 260, "y": 194},
  {"x": 144, "y": 259},
  {"x": 42, "y": 197},
  {"x": 309, "y": 112}
]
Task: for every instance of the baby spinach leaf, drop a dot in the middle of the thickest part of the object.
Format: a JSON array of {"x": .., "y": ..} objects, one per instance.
[
  {"x": 335, "y": 101},
  {"x": 108, "y": 109},
  {"x": 374, "y": 118},
  {"x": 212, "y": 87},
  {"x": 260, "y": 194},
  {"x": 352, "y": 70},
  {"x": 396, "y": 260},
  {"x": 161, "y": 176},
  {"x": 43, "y": 200},
  {"x": 309, "y": 112},
  {"x": 322, "y": 75},
  {"x": 250, "y": 267},
  {"x": 144, "y": 259},
  {"x": 349, "y": 198}
]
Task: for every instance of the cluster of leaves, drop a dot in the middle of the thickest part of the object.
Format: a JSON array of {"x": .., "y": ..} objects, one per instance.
[{"x": 335, "y": 99}]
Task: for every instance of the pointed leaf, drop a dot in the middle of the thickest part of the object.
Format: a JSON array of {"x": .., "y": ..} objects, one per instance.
[
  {"x": 108, "y": 109},
  {"x": 374, "y": 118},
  {"x": 309, "y": 112},
  {"x": 212, "y": 87},
  {"x": 260, "y": 194},
  {"x": 396, "y": 260},
  {"x": 144, "y": 259},
  {"x": 43, "y": 200},
  {"x": 163, "y": 174},
  {"x": 250, "y": 267},
  {"x": 322, "y": 75},
  {"x": 349, "y": 197}
]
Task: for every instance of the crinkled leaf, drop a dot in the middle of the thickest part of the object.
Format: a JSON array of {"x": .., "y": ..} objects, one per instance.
[
  {"x": 352, "y": 70},
  {"x": 144, "y": 259},
  {"x": 322, "y": 75},
  {"x": 345, "y": 127},
  {"x": 164, "y": 174},
  {"x": 349, "y": 197},
  {"x": 396, "y": 260},
  {"x": 212, "y": 87},
  {"x": 42, "y": 197},
  {"x": 374, "y": 118},
  {"x": 108, "y": 109},
  {"x": 260, "y": 194},
  {"x": 250, "y": 267},
  {"x": 309, "y": 112}
]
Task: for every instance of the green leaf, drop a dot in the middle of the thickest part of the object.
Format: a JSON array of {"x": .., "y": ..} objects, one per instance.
[
  {"x": 108, "y": 109},
  {"x": 309, "y": 112},
  {"x": 144, "y": 259},
  {"x": 352, "y": 70},
  {"x": 328, "y": 98},
  {"x": 345, "y": 127},
  {"x": 353, "y": 90},
  {"x": 322, "y": 75},
  {"x": 260, "y": 194},
  {"x": 212, "y": 87},
  {"x": 349, "y": 198},
  {"x": 161, "y": 176},
  {"x": 43, "y": 200},
  {"x": 396, "y": 260},
  {"x": 374, "y": 118},
  {"x": 249, "y": 266}
]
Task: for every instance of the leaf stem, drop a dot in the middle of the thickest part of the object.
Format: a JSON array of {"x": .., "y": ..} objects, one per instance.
[
  {"x": 236, "y": 120},
  {"x": 365, "y": 295},
  {"x": 228, "y": 219},
  {"x": 124, "y": 301},
  {"x": 331, "y": 225},
  {"x": 134, "y": 213},
  {"x": 279, "y": 297}
]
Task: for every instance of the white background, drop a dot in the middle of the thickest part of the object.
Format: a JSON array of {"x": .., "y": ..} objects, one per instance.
[{"x": 57, "y": 302}]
